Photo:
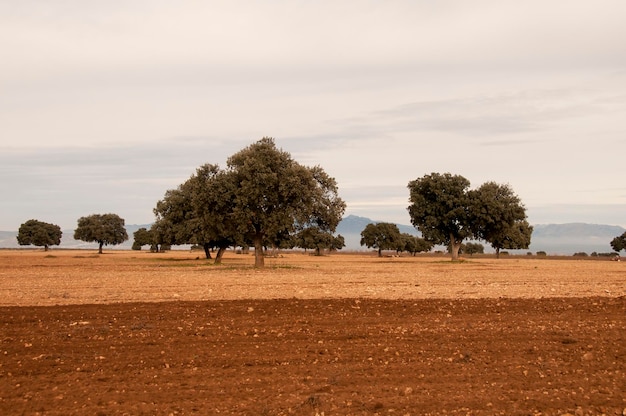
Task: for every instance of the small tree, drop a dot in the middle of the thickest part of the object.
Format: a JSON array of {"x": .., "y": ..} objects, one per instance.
[
  {"x": 39, "y": 233},
  {"x": 104, "y": 229},
  {"x": 316, "y": 239},
  {"x": 473, "y": 248},
  {"x": 413, "y": 244},
  {"x": 338, "y": 243},
  {"x": 382, "y": 236},
  {"x": 143, "y": 237},
  {"x": 619, "y": 243}
]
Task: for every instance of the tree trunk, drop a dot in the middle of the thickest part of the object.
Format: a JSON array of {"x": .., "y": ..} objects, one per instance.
[
  {"x": 380, "y": 252},
  {"x": 100, "y": 244},
  {"x": 45, "y": 247},
  {"x": 259, "y": 259},
  {"x": 218, "y": 256},
  {"x": 455, "y": 246},
  {"x": 207, "y": 250},
  {"x": 497, "y": 252}
]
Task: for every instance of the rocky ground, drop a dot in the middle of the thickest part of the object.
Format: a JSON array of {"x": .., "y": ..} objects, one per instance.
[{"x": 371, "y": 353}]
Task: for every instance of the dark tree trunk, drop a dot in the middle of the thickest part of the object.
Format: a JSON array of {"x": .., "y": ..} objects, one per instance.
[
  {"x": 259, "y": 259},
  {"x": 497, "y": 252},
  {"x": 100, "y": 244},
  {"x": 455, "y": 246},
  {"x": 218, "y": 256},
  {"x": 207, "y": 250}
]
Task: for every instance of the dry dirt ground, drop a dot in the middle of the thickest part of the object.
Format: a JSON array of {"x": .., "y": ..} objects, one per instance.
[{"x": 348, "y": 334}]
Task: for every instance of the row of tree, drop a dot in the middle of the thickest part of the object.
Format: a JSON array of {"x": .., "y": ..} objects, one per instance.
[
  {"x": 387, "y": 236},
  {"x": 264, "y": 198},
  {"x": 104, "y": 229}
]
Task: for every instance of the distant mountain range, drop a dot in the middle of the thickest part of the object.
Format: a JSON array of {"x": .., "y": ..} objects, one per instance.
[{"x": 563, "y": 239}]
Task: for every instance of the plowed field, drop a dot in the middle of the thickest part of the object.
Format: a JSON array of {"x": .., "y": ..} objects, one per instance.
[{"x": 348, "y": 334}]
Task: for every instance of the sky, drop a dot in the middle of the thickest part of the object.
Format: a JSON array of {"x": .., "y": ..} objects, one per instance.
[{"x": 104, "y": 106}]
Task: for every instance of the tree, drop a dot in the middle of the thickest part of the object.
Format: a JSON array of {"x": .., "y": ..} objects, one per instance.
[
  {"x": 473, "y": 248},
  {"x": 39, "y": 233},
  {"x": 439, "y": 208},
  {"x": 413, "y": 244},
  {"x": 143, "y": 237},
  {"x": 198, "y": 212},
  {"x": 447, "y": 212},
  {"x": 382, "y": 236},
  {"x": 338, "y": 243},
  {"x": 499, "y": 217},
  {"x": 515, "y": 237},
  {"x": 275, "y": 196},
  {"x": 315, "y": 239},
  {"x": 619, "y": 243},
  {"x": 104, "y": 229}
]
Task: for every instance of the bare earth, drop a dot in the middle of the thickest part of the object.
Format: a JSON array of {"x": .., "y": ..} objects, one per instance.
[{"x": 348, "y": 334}]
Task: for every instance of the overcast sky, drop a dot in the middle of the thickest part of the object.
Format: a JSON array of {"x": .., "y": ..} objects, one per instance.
[{"x": 106, "y": 105}]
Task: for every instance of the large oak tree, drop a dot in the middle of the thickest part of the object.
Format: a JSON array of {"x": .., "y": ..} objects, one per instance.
[
  {"x": 446, "y": 211},
  {"x": 275, "y": 196},
  {"x": 262, "y": 198},
  {"x": 440, "y": 209}
]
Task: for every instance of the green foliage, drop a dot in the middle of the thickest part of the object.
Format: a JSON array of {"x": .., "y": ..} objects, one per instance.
[
  {"x": 315, "y": 239},
  {"x": 39, "y": 233},
  {"x": 105, "y": 229},
  {"x": 262, "y": 198},
  {"x": 499, "y": 217},
  {"x": 197, "y": 212},
  {"x": 143, "y": 237},
  {"x": 275, "y": 197},
  {"x": 473, "y": 248},
  {"x": 440, "y": 209},
  {"x": 619, "y": 243},
  {"x": 413, "y": 244},
  {"x": 382, "y": 236},
  {"x": 447, "y": 212}
]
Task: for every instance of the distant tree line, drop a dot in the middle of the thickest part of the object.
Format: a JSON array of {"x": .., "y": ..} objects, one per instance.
[{"x": 265, "y": 199}]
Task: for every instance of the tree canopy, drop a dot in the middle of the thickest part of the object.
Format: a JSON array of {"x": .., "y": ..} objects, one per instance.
[
  {"x": 446, "y": 211},
  {"x": 198, "y": 212},
  {"x": 39, "y": 233},
  {"x": 143, "y": 237},
  {"x": 381, "y": 236},
  {"x": 276, "y": 196},
  {"x": 499, "y": 217},
  {"x": 262, "y": 198},
  {"x": 440, "y": 209},
  {"x": 413, "y": 244},
  {"x": 619, "y": 243},
  {"x": 104, "y": 229},
  {"x": 315, "y": 239}
]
